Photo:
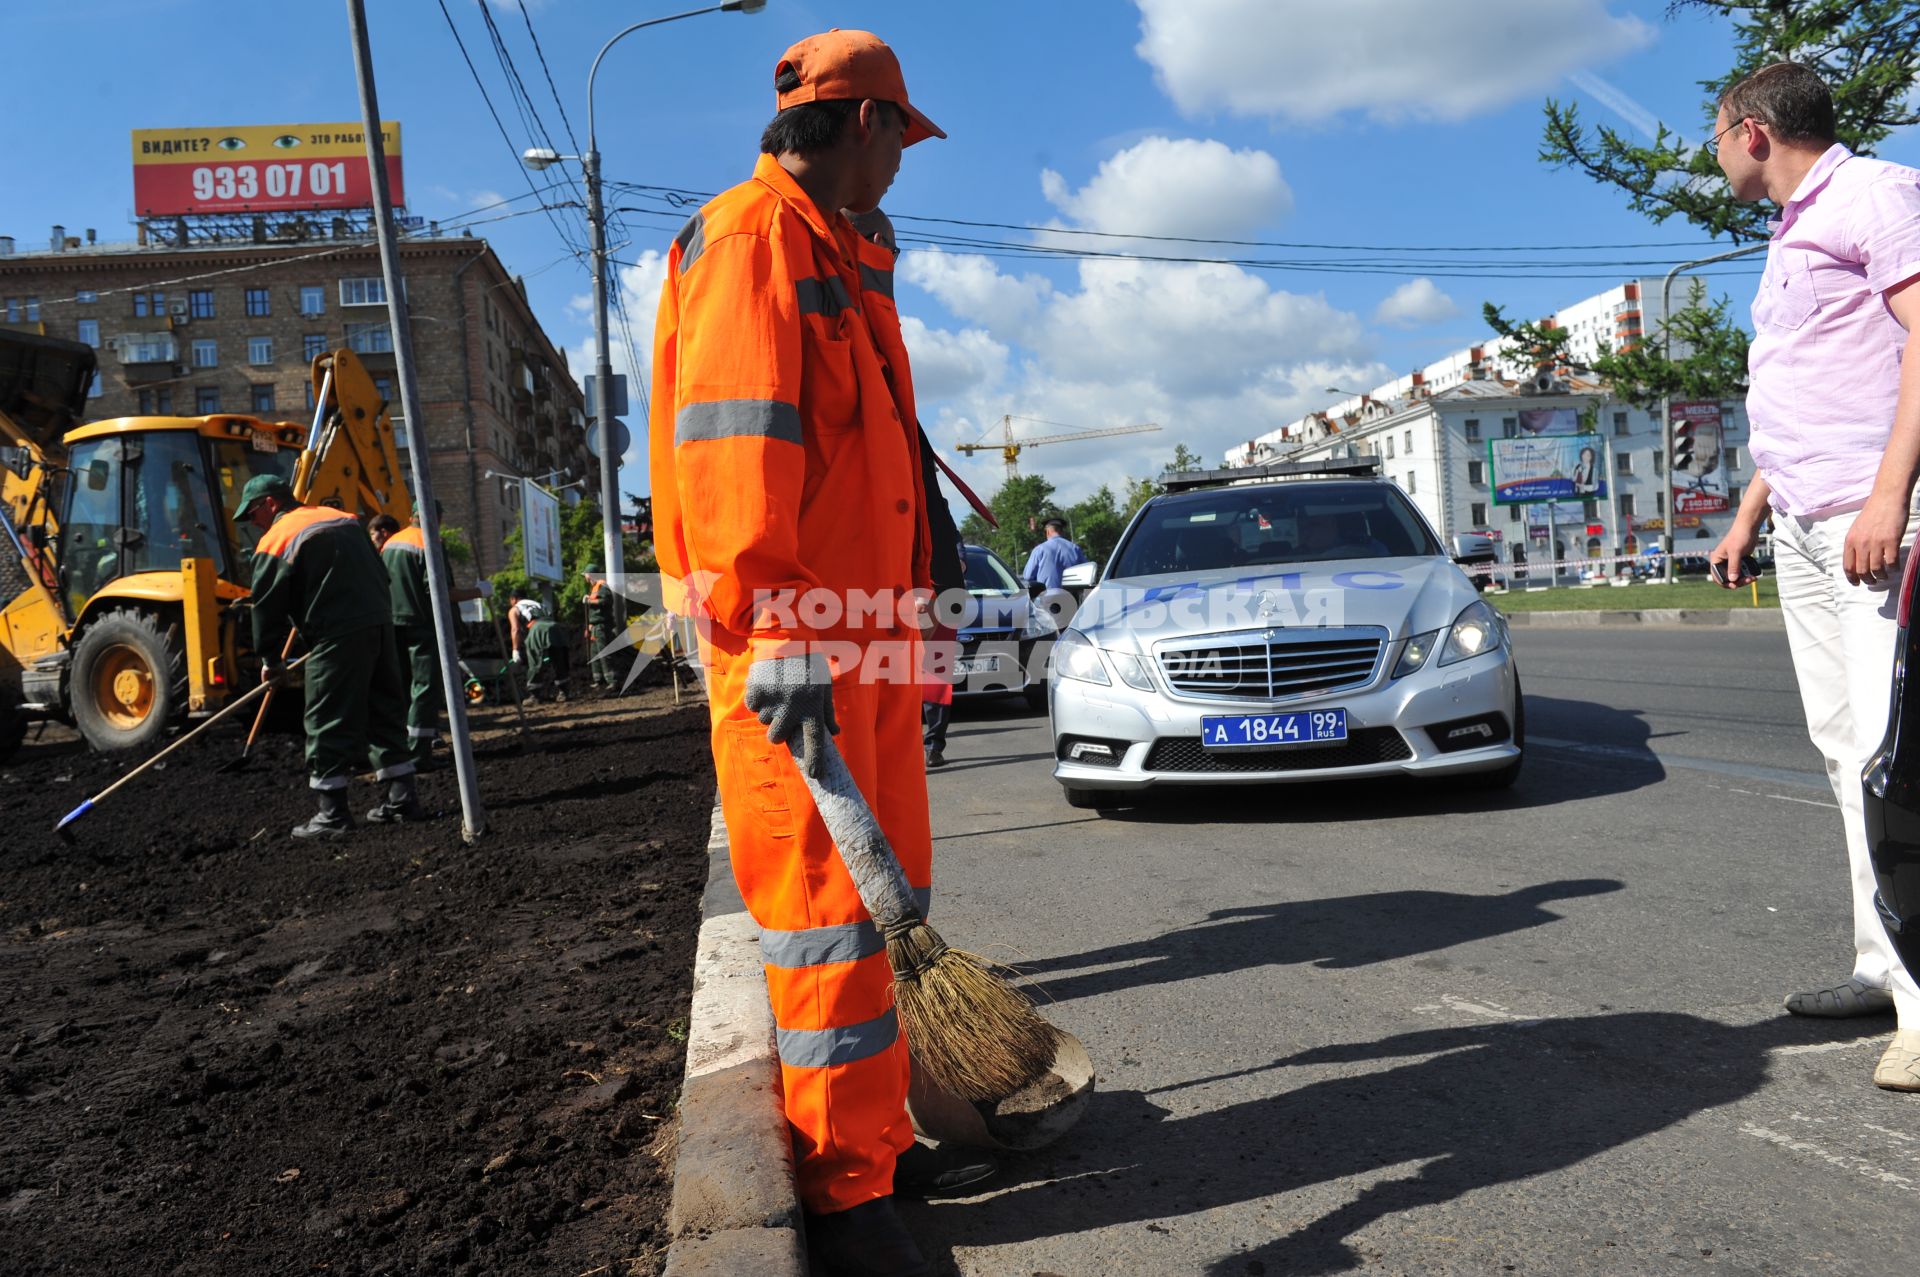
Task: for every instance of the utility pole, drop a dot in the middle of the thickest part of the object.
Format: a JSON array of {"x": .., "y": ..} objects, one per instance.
[{"x": 473, "y": 817}]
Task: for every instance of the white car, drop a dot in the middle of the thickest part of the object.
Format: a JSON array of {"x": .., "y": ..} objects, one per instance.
[{"x": 1305, "y": 625}]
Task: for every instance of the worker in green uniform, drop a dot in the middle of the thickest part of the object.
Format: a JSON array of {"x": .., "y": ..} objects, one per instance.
[
  {"x": 405, "y": 554},
  {"x": 599, "y": 605},
  {"x": 314, "y": 570}
]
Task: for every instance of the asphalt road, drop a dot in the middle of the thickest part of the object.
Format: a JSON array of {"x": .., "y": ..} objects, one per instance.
[{"x": 1413, "y": 1030}]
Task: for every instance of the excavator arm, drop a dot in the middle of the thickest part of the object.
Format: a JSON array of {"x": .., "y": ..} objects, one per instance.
[{"x": 351, "y": 456}]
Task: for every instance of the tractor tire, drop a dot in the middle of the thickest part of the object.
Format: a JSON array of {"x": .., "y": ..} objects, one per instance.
[{"x": 129, "y": 681}]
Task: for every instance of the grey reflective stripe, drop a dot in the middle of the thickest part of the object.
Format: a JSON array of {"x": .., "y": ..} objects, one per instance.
[
  {"x": 875, "y": 280},
  {"x": 844, "y": 942},
  {"x": 692, "y": 240},
  {"x": 818, "y": 1048},
  {"x": 823, "y": 296},
  {"x": 732, "y": 418}
]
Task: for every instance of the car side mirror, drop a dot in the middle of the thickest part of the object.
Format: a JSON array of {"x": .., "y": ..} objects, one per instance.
[
  {"x": 97, "y": 474},
  {"x": 19, "y": 460},
  {"x": 1080, "y": 576}
]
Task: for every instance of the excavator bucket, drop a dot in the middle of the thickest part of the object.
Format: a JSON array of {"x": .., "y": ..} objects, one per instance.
[{"x": 351, "y": 457}]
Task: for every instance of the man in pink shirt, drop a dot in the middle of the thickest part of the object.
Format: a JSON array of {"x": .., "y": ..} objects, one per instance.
[{"x": 1834, "y": 411}]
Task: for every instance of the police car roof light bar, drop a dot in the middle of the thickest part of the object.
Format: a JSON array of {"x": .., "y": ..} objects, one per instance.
[{"x": 1342, "y": 468}]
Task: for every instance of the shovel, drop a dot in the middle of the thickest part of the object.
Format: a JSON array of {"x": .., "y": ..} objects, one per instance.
[
  {"x": 233, "y": 705},
  {"x": 240, "y": 763}
]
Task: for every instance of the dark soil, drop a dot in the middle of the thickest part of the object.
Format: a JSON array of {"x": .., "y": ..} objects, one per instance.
[{"x": 226, "y": 1051}]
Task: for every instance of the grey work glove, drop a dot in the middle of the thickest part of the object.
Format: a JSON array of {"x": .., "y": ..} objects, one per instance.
[{"x": 793, "y": 696}]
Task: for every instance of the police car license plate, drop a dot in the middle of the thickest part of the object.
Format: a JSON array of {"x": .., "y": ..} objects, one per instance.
[
  {"x": 977, "y": 665},
  {"x": 1273, "y": 731}
]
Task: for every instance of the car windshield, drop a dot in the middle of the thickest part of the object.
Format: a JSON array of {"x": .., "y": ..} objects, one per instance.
[
  {"x": 1273, "y": 524},
  {"x": 986, "y": 574}
]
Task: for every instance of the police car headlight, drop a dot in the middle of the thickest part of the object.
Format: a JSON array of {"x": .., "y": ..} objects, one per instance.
[
  {"x": 1415, "y": 654},
  {"x": 1074, "y": 657},
  {"x": 1132, "y": 671},
  {"x": 1476, "y": 631}
]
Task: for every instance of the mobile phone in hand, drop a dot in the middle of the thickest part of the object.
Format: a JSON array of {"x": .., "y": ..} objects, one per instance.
[{"x": 1749, "y": 570}]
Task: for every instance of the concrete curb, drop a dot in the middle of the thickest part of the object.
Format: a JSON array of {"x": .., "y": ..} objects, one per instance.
[
  {"x": 1752, "y": 618},
  {"x": 734, "y": 1208}
]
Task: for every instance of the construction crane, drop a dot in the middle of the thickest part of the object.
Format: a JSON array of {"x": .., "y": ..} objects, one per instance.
[{"x": 1010, "y": 447}]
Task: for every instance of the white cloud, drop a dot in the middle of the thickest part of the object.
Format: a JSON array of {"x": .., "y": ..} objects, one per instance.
[
  {"x": 1390, "y": 59},
  {"x": 640, "y": 292},
  {"x": 1415, "y": 303},
  {"x": 948, "y": 364},
  {"x": 1177, "y": 186}
]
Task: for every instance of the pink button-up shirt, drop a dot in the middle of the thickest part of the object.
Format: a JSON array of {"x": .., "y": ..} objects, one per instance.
[{"x": 1824, "y": 368}]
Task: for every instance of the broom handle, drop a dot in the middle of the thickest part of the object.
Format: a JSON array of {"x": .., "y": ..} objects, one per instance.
[
  {"x": 267, "y": 700},
  {"x": 876, "y": 873}
]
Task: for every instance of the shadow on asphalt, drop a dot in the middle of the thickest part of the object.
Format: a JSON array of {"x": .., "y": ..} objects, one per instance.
[
  {"x": 1337, "y": 934},
  {"x": 1499, "y": 1104}
]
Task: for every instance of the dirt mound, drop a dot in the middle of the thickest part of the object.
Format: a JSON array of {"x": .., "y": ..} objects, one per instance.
[{"x": 225, "y": 1051}]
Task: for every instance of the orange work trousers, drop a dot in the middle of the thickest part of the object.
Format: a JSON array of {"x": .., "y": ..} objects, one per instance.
[{"x": 843, "y": 1059}]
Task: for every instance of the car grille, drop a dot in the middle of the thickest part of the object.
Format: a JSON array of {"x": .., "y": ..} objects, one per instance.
[
  {"x": 1277, "y": 665},
  {"x": 1363, "y": 745},
  {"x": 970, "y": 640}
]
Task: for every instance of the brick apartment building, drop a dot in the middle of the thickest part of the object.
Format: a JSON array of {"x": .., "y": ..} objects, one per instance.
[{"x": 233, "y": 327}]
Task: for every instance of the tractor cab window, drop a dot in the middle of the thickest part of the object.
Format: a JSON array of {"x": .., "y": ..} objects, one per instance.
[
  {"x": 90, "y": 541},
  {"x": 234, "y": 462},
  {"x": 169, "y": 503}
]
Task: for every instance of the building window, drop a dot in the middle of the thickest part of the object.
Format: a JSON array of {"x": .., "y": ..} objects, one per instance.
[
  {"x": 309, "y": 396},
  {"x": 312, "y": 346},
  {"x": 383, "y": 386},
  {"x": 369, "y": 290},
  {"x": 163, "y": 401},
  {"x": 143, "y": 402},
  {"x": 200, "y": 303},
  {"x": 259, "y": 302},
  {"x": 206, "y": 352},
  {"x": 1623, "y": 463},
  {"x": 1626, "y": 505},
  {"x": 206, "y": 399},
  {"x": 259, "y": 350},
  {"x": 1509, "y": 427},
  {"x": 88, "y": 330},
  {"x": 99, "y": 384},
  {"x": 1409, "y": 443},
  {"x": 1733, "y": 495},
  {"x": 1659, "y": 503},
  {"x": 369, "y": 339},
  {"x": 1477, "y": 473},
  {"x": 147, "y": 305},
  {"x": 1389, "y": 447},
  {"x": 1409, "y": 483},
  {"x": 1477, "y": 514},
  {"x": 1513, "y": 514},
  {"x": 86, "y": 296},
  {"x": 262, "y": 399},
  {"x": 1590, "y": 510},
  {"x": 33, "y": 310},
  {"x": 1620, "y": 423},
  {"x": 1733, "y": 460},
  {"x": 1659, "y": 463},
  {"x": 13, "y": 310},
  {"x": 1473, "y": 431},
  {"x": 313, "y": 299}
]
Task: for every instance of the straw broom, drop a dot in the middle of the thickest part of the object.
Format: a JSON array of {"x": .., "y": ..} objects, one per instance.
[{"x": 972, "y": 1034}]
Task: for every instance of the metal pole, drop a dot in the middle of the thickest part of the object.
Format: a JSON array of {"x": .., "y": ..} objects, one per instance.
[
  {"x": 473, "y": 817},
  {"x": 1614, "y": 539},
  {"x": 1553, "y": 542},
  {"x": 1666, "y": 400},
  {"x": 613, "y": 545}
]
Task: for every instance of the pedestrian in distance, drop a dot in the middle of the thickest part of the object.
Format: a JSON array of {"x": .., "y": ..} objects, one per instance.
[
  {"x": 1834, "y": 411},
  {"x": 381, "y": 529},
  {"x": 539, "y": 648},
  {"x": 598, "y": 603},
  {"x": 405, "y": 555},
  {"x": 1052, "y": 556},
  {"x": 879, "y": 250},
  {"x": 315, "y": 570},
  {"x": 784, "y": 459}
]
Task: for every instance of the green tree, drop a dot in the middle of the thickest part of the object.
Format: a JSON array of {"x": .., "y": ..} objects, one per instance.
[
  {"x": 581, "y": 543},
  {"x": 1020, "y": 505},
  {"x": 1139, "y": 492},
  {"x": 1097, "y": 524},
  {"x": 1863, "y": 48},
  {"x": 1184, "y": 459}
]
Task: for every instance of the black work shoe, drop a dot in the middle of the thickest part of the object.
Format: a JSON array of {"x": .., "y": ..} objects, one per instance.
[
  {"x": 929, "y": 1170},
  {"x": 402, "y": 805},
  {"x": 331, "y": 821},
  {"x": 867, "y": 1241},
  {"x": 936, "y": 759}
]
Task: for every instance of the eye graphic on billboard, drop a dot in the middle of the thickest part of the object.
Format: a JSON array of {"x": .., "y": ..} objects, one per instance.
[{"x": 258, "y": 168}]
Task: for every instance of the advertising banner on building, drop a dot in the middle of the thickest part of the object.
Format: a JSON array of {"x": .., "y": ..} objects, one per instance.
[
  {"x": 540, "y": 531},
  {"x": 258, "y": 168},
  {"x": 1560, "y": 467},
  {"x": 1550, "y": 421},
  {"x": 1699, "y": 480}
]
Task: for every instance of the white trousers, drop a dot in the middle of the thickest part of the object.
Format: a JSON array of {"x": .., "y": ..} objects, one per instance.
[{"x": 1842, "y": 637}]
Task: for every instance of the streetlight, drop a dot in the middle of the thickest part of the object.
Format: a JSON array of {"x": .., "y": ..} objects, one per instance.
[{"x": 540, "y": 157}]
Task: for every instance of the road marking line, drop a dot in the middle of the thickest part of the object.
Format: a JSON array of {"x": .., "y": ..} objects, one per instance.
[
  {"x": 1820, "y": 1048},
  {"x": 1903, "y": 1138},
  {"x": 1811, "y": 802},
  {"x": 1486, "y": 1011},
  {"x": 1842, "y": 1161}
]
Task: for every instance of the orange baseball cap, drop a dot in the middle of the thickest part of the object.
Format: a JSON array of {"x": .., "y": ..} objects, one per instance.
[{"x": 838, "y": 66}]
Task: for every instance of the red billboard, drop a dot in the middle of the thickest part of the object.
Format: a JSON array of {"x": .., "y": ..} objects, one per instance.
[{"x": 258, "y": 168}]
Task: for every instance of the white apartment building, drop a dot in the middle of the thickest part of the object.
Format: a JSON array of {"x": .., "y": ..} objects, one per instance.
[{"x": 1430, "y": 431}]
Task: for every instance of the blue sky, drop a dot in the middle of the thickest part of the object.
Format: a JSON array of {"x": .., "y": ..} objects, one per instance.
[{"x": 1369, "y": 122}]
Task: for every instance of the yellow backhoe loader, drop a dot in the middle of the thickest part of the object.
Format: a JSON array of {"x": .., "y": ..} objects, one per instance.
[{"x": 123, "y": 576}]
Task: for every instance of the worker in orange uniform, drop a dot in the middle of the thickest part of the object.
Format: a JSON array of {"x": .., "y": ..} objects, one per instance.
[{"x": 786, "y": 480}]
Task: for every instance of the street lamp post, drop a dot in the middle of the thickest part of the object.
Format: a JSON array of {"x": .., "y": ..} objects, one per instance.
[
  {"x": 1666, "y": 400},
  {"x": 540, "y": 158}
]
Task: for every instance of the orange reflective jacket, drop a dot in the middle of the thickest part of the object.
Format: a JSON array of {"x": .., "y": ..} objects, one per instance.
[{"x": 783, "y": 460}]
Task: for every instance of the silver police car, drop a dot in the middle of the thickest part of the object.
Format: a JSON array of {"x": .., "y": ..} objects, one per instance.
[{"x": 1307, "y": 624}]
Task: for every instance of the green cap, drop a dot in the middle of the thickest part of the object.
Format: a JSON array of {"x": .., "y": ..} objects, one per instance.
[
  {"x": 260, "y": 486},
  {"x": 591, "y": 565}
]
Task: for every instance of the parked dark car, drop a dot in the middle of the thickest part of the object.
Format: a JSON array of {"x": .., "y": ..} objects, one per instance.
[
  {"x": 999, "y": 634},
  {"x": 1892, "y": 783}
]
